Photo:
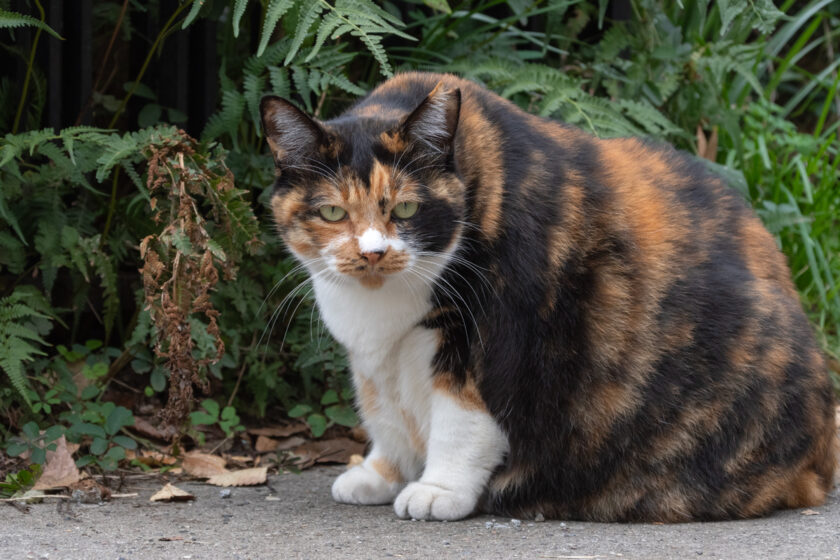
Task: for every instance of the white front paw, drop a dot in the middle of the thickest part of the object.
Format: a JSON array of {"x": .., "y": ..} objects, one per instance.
[
  {"x": 427, "y": 501},
  {"x": 362, "y": 486}
]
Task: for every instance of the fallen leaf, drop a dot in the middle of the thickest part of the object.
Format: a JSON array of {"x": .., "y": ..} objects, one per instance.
[
  {"x": 202, "y": 465},
  {"x": 88, "y": 491},
  {"x": 60, "y": 468},
  {"x": 282, "y": 444},
  {"x": 240, "y": 460},
  {"x": 290, "y": 443},
  {"x": 170, "y": 493},
  {"x": 33, "y": 496},
  {"x": 156, "y": 458},
  {"x": 245, "y": 477},
  {"x": 280, "y": 431},
  {"x": 266, "y": 444},
  {"x": 337, "y": 450},
  {"x": 145, "y": 428},
  {"x": 809, "y": 512}
]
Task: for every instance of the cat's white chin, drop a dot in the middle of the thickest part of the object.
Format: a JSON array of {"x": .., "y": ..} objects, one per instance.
[{"x": 373, "y": 281}]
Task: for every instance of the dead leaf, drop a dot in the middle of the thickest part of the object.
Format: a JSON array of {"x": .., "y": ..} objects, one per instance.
[
  {"x": 240, "y": 460},
  {"x": 809, "y": 512},
  {"x": 156, "y": 458},
  {"x": 88, "y": 491},
  {"x": 707, "y": 148},
  {"x": 290, "y": 443},
  {"x": 170, "y": 493},
  {"x": 337, "y": 450},
  {"x": 202, "y": 465},
  {"x": 280, "y": 431},
  {"x": 245, "y": 477},
  {"x": 60, "y": 468},
  {"x": 266, "y": 444},
  {"x": 145, "y": 428}
]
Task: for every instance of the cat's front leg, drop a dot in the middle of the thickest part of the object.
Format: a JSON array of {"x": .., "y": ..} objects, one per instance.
[
  {"x": 465, "y": 445},
  {"x": 376, "y": 481}
]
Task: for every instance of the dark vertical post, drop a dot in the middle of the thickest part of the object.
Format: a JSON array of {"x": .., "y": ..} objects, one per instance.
[
  {"x": 78, "y": 69},
  {"x": 55, "y": 66},
  {"x": 173, "y": 65},
  {"x": 203, "y": 76}
]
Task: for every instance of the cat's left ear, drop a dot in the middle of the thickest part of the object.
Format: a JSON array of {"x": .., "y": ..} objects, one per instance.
[
  {"x": 292, "y": 134},
  {"x": 434, "y": 122}
]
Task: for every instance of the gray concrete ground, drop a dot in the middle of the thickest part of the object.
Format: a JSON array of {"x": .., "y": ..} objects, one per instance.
[{"x": 301, "y": 521}]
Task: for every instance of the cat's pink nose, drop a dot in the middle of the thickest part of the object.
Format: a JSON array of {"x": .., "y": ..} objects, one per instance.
[{"x": 373, "y": 256}]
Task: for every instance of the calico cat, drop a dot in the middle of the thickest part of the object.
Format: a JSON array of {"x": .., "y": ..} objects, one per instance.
[{"x": 539, "y": 321}]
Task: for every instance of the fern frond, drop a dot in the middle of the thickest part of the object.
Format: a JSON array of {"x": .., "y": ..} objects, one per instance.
[
  {"x": 193, "y": 13},
  {"x": 648, "y": 117},
  {"x": 119, "y": 148},
  {"x": 16, "y": 338},
  {"x": 329, "y": 24},
  {"x": 254, "y": 86},
  {"x": 238, "y": 11},
  {"x": 12, "y": 254},
  {"x": 279, "y": 79},
  {"x": 12, "y": 20},
  {"x": 226, "y": 120},
  {"x": 305, "y": 21},
  {"x": 276, "y": 9}
]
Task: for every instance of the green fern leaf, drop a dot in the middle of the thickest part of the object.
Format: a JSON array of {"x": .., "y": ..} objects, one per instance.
[
  {"x": 16, "y": 338},
  {"x": 279, "y": 79},
  {"x": 276, "y": 9},
  {"x": 238, "y": 12},
  {"x": 254, "y": 87},
  {"x": 305, "y": 21},
  {"x": 226, "y": 120},
  {"x": 14, "y": 19},
  {"x": 329, "y": 24},
  {"x": 120, "y": 148},
  {"x": 193, "y": 13}
]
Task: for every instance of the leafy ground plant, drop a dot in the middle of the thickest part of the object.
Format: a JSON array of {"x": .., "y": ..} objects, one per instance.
[{"x": 209, "y": 414}]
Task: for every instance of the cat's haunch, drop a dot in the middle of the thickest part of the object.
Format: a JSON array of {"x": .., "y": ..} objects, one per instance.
[{"x": 539, "y": 321}]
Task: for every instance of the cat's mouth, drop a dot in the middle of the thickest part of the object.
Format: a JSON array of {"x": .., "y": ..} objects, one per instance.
[
  {"x": 373, "y": 275},
  {"x": 372, "y": 279}
]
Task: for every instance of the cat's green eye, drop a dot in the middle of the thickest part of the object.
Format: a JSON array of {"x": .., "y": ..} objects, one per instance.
[
  {"x": 332, "y": 213},
  {"x": 405, "y": 210}
]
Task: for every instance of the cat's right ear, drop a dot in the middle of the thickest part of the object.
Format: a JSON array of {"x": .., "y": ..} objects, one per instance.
[
  {"x": 434, "y": 122},
  {"x": 292, "y": 135}
]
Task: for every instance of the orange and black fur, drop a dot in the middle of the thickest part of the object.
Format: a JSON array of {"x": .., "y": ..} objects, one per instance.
[{"x": 618, "y": 311}]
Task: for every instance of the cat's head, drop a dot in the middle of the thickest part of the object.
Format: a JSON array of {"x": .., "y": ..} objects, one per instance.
[{"x": 371, "y": 195}]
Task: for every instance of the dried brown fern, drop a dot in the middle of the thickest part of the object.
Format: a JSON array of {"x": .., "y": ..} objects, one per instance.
[{"x": 207, "y": 228}]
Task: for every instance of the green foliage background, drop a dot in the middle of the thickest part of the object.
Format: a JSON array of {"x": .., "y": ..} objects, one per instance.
[{"x": 752, "y": 87}]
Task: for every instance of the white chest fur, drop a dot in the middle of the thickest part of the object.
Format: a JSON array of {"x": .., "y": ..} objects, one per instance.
[
  {"x": 370, "y": 322},
  {"x": 391, "y": 358},
  {"x": 414, "y": 428}
]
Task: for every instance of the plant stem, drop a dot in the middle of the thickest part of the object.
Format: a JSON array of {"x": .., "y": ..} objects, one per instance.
[
  {"x": 158, "y": 40},
  {"x": 112, "y": 205},
  {"x": 28, "y": 70}
]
